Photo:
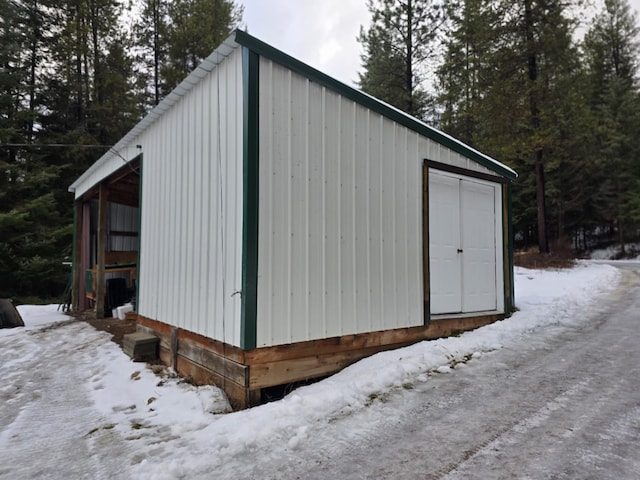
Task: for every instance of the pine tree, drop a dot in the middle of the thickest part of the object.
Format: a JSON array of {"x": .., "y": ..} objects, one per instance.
[
  {"x": 611, "y": 47},
  {"x": 397, "y": 48},
  {"x": 196, "y": 28},
  {"x": 469, "y": 45},
  {"x": 30, "y": 246},
  {"x": 504, "y": 87},
  {"x": 151, "y": 38}
]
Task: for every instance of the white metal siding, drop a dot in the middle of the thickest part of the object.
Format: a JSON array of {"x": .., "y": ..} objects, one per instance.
[
  {"x": 191, "y": 231},
  {"x": 340, "y": 243}
]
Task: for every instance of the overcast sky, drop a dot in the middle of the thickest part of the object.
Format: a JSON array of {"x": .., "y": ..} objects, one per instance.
[{"x": 321, "y": 33}]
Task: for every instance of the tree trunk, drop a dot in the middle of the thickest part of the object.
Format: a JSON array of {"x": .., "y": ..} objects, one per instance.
[
  {"x": 543, "y": 242},
  {"x": 409, "y": 60},
  {"x": 156, "y": 51}
]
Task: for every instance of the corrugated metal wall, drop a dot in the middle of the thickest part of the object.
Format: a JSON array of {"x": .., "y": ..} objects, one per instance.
[
  {"x": 339, "y": 215},
  {"x": 191, "y": 231},
  {"x": 123, "y": 220},
  {"x": 340, "y": 244}
]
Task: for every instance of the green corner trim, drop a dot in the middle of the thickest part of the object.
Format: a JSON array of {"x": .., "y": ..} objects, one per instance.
[
  {"x": 261, "y": 48},
  {"x": 140, "y": 158},
  {"x": 250, "y": 128},
  {"x": 510, "y": 294},
  {"x": 75, "y": 282}
]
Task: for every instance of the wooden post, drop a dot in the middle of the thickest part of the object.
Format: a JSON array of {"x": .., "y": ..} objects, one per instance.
[
  {"x": 102, "y": 248},
  {"x": 174, "y": 348},
  {"x": 78, "y": 271},
  {"x": 85, "y": 258}
]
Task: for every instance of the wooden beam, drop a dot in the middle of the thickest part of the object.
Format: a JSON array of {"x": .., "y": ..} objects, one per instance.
[
  {"x": 78, "y": 272},
  {"x": 269, "y": 366},
  {"x": 102, "y": 248}
]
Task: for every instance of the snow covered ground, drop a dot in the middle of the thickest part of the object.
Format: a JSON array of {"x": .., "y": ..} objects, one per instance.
[{"x": 75, "y": 406}]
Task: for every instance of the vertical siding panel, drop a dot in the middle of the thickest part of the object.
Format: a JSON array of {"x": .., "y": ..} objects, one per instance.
[
  {"x": 148, "y": 298},
  {"x": 400, "y": 230},
  {"x": 199, "y": 298},
  {"x": 297, "y": 210},
  {"x": 264, "y": 325},
  {"x": 332, "y": 220},
  {"x": 236, "y": 79},
  {"x": 315, "y": 213},
  {"x": 233, "y": 258},
  {"x": 183, "y": 228},
  {"x": 185, "y": 190},
  {"x": 173, "y": 164},
  {"x": 157, "y": 166},
  {"x": 388, "y": 210},
  {"x": 227, "y": 249},
  {"x": 376, "y": 222},
  {"x": 362, "y": 319},
  {"x": 414, "y": 237},
  {"x": 188, "y": 287},
  {"x": 347, "y": 217},
  {"x": 280, "y": 210},
  {"x": 206, "y": 187},
  {"x": 216, "y": 215}
]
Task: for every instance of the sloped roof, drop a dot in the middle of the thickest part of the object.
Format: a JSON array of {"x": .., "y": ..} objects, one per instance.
[{"x": 240, "y": 38}]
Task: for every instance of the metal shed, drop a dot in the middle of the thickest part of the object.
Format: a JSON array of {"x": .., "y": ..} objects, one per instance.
[{"x": 278, "y": 225}]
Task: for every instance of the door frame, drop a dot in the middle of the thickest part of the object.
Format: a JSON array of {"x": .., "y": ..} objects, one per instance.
[{"x": 502, "y": 182}]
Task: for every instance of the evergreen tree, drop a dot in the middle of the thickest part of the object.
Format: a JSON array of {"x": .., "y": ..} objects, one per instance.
[
  {"x": 465, "y": 72},
  {"x": 196, "y": 28},
  {"x": 504, "y": 85},
  {"x": 397, "y": 46},
  {"x": 611, "y": 47},
  {"x": 30, "y": 227},
  {"x": 151, "y": 35}
]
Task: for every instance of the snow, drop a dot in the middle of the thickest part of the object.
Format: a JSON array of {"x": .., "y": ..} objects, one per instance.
[
  {"x": 612, "y": 252},
  {"x": 129, "y": 422}
]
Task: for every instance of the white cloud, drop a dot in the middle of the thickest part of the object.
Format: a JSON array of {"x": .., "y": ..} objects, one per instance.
[{"x": 319, "y": 33}]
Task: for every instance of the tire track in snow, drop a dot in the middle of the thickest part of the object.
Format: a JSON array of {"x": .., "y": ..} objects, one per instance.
[
  {"x": 513, "y": 434},
  {"x": 49, "y": 439}
]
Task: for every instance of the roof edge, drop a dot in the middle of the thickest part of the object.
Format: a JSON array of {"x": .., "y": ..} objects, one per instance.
[
  {"x": 241, "y": 38},
  {"x": 190, "y": 81},
  {"x": 278, "y": 56}
]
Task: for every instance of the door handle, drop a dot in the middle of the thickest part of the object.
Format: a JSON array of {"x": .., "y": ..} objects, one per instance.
[{"x": 459, "y": 250}]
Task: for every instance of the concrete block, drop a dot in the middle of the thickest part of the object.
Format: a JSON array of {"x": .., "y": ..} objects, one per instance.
[{"x": 141, "y": 346}]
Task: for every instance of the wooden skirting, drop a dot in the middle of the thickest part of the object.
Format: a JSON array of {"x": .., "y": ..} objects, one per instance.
[{"x": 242, "y": 374}]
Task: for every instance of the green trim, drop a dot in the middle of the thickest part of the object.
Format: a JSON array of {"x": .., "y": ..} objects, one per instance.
[
  {"x": 250, "y": 162},
  {"x": 261, "y": 48},
  {"x": 140, "y": 158},
  {"x": 510, "y": 294},
  {"x": 75, "y": 290}
]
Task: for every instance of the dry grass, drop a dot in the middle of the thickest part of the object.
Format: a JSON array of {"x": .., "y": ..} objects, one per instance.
[{"x": 562, "y": 255}]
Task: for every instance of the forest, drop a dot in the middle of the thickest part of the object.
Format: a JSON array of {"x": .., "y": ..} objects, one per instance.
[{"x": 540, "y": 85}]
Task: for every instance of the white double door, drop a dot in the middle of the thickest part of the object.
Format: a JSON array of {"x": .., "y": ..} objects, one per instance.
[{"x": 464, "y": 244}]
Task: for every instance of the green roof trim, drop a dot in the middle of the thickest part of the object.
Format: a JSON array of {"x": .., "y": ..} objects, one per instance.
[
  {"x": 273, "y": 54},
  {"x": 250, "y": 91}
]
